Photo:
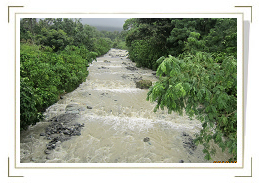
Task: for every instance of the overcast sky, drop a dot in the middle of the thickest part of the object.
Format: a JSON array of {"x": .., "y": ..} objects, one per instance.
[{"x": 107, "y": 22}]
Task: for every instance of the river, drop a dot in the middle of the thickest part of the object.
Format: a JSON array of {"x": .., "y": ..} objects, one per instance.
[{"x": 117, "y": 124}]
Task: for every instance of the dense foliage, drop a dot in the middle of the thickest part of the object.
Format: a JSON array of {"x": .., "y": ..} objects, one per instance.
[
  {"x": 167, "y": 36},
  {"x": 54, "y": 57},
  {"x": 58, "y": 33},
  {"x": 45, "y": 75},
  {"x": 117, "y": 38},
  {"x": 146, "y": 40},
  {"x": 196, "y": 64}
]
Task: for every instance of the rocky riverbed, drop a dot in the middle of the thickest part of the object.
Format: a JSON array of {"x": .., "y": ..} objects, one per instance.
[{"x": 108, "y": 120}]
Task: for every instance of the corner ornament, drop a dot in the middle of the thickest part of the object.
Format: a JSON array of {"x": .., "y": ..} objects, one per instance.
[{"x": 12, "y": 7}]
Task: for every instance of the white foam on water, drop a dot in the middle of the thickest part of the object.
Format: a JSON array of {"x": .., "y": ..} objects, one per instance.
[
  {"x": 114, "y": 73},
  {"x": 114, "y": 66},
  {"x": 138, "y": 124},
  {"x": 119, "y": 90},
  {"x": 122, "y": 72}
]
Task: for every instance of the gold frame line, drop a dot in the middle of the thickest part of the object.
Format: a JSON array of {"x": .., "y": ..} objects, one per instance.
[
  {"x": 15, "y": 89},
  {"x": 9, "y": 169},
  {"x": 251, "y": 175},
  {"x": 125, "y": 13},
  {"x": 12, "y": 7},
  {"x": 170, "y": 167},
  {"x": 247, "y": 7}
]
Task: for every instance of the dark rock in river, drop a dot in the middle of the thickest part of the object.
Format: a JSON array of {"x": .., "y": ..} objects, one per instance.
[
  {"x": 64, "y": 118},
  {"x": 104, "y": 94},
  {"x": 143, "y": 84},
  {"x": 131, "y": 68},
  {"x": 185, "y": 134},
  {"x": 188, "y": 143},
  {"x": 61, "y": 129},
  {"x": 47, "y": 151},
  {"x": 137, "y": 79},
  {"x": 146, "y": 139},
  {"x": 103, "y": 67},
  {"x": 124, "y": 76},
  {"x": 73, "y": 108}
]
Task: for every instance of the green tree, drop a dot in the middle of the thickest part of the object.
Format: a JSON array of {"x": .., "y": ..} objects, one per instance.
[
  {"x": 68, "y": 26},
  {"x": 199, "y": 74},
  {"x": 222, "y": 39},
  {"x": 45, "y": 74},
  {"x": 147, "y": 31},
  {"x": 58, "y": 40},
  {"x": 182, "y": 29},
  {"x": 28, "y": 29},
  {"x": 197, "y": 83}
]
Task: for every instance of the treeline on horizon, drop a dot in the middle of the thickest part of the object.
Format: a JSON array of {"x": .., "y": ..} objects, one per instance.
[
  {"x": 195, "y": 60},
  {"x": 57, "y": 33},
  {"x": 54, "y": 56}
]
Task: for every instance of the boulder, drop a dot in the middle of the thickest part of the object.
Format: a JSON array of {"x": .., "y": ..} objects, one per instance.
[
  {"x": 72, "y": 107},
  {"x": 102, "y": 67},
  {"x": 131, "y": 68},
  {"x": 143, "y": 84}
]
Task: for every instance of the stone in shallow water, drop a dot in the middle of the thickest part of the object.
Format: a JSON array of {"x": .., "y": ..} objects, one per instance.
[
  {"x": 72, "y": 108},
  {"x": 64, "y": 118},
  {"x": 102, "y": 67},
  {"x": 185, "y": 134},
  {"x": 143, "y": 84},
  {"x": 47, "y": 151},
  {"x": 146, "y": 139},
  {"x": 131, "y": 68},
  {"x": 61, "y": 129},
  {"x": 188, "y": 143}
]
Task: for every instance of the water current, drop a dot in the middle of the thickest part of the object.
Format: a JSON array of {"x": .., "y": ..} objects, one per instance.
[{"x": 118, "y": 125}]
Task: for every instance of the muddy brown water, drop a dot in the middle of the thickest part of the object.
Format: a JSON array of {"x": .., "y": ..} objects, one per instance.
[{"x": 117, "y": 121}]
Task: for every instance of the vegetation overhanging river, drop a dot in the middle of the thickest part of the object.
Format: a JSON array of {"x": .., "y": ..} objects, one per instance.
[{"x": 114, "y": 123}]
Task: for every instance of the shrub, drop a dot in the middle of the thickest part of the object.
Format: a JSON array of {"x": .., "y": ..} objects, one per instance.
[{"x": 44, "y": 75}]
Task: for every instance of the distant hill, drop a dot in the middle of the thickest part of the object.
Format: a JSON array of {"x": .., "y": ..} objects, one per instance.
[
  {"x": 106, "y": 28},
  {"x": 106, "y": 24}
]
